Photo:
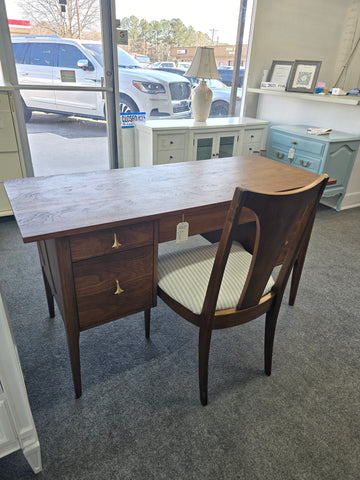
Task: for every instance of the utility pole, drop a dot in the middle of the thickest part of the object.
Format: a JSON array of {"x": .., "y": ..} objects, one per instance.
[
  {"x": 213, "y": 31},
  {"x": 78, "y": 18}
]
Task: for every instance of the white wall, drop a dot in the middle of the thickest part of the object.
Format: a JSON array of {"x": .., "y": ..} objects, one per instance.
[
  {"x": 346, "y": 118},
  {"x": 308, "y": 30}
]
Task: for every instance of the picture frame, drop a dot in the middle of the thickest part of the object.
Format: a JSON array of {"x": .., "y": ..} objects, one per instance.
[
  {"x": 280, "y": 71},
  {"x": 303, "y": 76}
]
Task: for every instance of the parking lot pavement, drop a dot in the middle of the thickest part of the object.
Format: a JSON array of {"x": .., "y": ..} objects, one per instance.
[{"x": 60, "y": 144}]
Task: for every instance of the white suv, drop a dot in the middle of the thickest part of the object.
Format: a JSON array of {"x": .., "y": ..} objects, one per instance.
[{"x": 43, "y": 60}]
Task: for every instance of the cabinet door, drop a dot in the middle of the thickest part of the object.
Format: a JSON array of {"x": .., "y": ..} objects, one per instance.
[
  {"x": 226, "y": 146},
  {"x": 204, "y": 147},
  {"x": 207, "y": 146}
]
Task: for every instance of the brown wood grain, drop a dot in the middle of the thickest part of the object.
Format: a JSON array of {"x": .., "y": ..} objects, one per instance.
[
  {"x": 61, "y": 205},
  {"x": 95, "y": 285},
  {"x": 93, "y": 244}
]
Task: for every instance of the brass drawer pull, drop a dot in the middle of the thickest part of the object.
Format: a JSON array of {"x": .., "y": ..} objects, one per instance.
[
  {"x": 118, "y": 290},
  {"x": 303, "y": 164},
  {"x": 294, "y": 143},
  {"x": 291, "y": 160},
  {"x": 116, "y": 244},
  {"x": 280, "y": 155}
]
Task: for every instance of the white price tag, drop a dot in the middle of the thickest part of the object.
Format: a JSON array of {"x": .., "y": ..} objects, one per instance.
[
  {"x": 182, "y": 232},
  {"x": 291, "y": 153}
]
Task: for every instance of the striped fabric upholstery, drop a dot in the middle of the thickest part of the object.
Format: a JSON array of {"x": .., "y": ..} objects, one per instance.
[{"x": 184, "y": 276}]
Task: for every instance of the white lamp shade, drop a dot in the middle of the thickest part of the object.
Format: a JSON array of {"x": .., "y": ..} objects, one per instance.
[{"x": 203, "y": 64}]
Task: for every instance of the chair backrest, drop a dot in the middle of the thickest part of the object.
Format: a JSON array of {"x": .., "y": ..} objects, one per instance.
[{"x": 279, "y": 217}]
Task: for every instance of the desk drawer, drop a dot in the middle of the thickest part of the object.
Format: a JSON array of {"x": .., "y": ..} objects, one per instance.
[
  {"x": 110, "y": 241},
  {"x": 96, "y": 281}
]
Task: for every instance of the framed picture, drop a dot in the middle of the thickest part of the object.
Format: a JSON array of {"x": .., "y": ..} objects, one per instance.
[
  {"x": 303, "y": 76},
  {"x": 280, "y": 71}
]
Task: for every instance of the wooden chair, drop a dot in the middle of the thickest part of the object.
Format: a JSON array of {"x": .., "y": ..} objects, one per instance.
[{"x": 222, "y": 285}]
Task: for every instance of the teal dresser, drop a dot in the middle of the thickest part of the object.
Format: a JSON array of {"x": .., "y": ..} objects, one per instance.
[{"x": 333, "y": 154}]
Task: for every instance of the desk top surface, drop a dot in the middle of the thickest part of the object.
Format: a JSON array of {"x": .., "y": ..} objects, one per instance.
[{"x": 62, "y": 205}]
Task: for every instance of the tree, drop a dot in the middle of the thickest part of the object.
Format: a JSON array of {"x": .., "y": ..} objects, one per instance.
[
  {"x": 157, "y": 37},
  {"x": 80, "y": 17}
]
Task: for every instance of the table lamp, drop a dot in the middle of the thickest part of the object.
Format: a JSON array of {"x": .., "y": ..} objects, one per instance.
[{"x": 203, "y": 66}]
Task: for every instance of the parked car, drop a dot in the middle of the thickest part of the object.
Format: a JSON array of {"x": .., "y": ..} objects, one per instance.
[
  {"x": 226, "y": 74},
  {"x": 164, "y": 65},
  {"x": 183, "y": 65},
  {"x": 49, "y": 60},
  {"x": 221, "y": 94},
  {"x": 144, "y": 60}
]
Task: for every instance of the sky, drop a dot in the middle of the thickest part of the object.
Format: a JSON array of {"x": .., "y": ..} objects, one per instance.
[{"x": 202, "y": 16}]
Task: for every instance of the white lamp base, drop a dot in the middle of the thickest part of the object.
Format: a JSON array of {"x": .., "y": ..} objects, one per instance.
[{"x": 201, "y": 102}]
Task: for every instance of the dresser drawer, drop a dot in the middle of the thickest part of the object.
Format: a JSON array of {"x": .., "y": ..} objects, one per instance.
[
  {"x": 97, "y": 280},
  {"x": 301, "y": 161},
  {"x": 250, "y": 148},
  {"x": 170, "y": 141},
  {"x": 253, "y": 135},
  {"x": 171, "y": 156},
  {"x": 307, "y": 163},
  {"x": 111, "y": 241},
  {"x": 313, "y": 147}
]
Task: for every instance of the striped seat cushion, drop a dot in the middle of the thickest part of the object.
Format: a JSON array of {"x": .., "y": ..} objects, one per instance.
[{"x": 184, "y": 276}]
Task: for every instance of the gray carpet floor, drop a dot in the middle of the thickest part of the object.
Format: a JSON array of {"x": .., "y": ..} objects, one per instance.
[{"x": 140, "y": 416}]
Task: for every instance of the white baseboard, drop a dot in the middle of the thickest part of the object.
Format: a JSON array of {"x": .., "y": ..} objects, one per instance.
[{"x": 351, "y": 200}]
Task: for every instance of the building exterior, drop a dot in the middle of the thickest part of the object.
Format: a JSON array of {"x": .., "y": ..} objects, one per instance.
[{"x": 224, "y": 54}]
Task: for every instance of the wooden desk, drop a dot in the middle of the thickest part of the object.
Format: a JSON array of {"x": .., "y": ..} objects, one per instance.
[{"x": 98, "y": 232}]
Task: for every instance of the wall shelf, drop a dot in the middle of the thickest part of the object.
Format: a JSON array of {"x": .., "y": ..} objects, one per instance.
[{"x": 343, "y": 99}]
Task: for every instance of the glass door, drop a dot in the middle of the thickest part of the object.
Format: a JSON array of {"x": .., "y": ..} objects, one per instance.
[
  {"x": 60, "y": 77},
  {"x": 226, "y": 146},
  {"x": 204, "y": 147}
]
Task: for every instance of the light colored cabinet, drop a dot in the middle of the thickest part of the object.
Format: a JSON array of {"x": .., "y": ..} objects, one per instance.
[
  {"x": 333, "y": 154},
  {"x": 161, "y": 141},
  {"x": 11, "y": 162},
  {"x": 214, "y": 145},
  {"x": 17, "y": 428}
]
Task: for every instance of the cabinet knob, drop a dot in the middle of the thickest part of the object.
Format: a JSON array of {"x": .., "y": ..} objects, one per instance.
[
  {"x": 171, "y": 156},
  {"x": 171, "y": 142},
  {"x": 293, "y": 143},
  {"x": 116, "y": 243}
]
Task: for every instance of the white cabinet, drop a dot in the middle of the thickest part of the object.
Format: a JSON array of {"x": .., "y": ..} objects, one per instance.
[
  {"x": 215, "y": 145},
  {"x": 11, "y": 162},
  {"x": 17, "y": 428},
  {"x": 171, "y": 141},
  {"x": 252, "y": 140}
]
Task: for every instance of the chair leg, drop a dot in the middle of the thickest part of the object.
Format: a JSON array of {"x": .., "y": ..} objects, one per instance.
[
  {"x": 270, "y": 326},
  {"x": 204, "y": 349},
  {"x": 147, "y": 322}
]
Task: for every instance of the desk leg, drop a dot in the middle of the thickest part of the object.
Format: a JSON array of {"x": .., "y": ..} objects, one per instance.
[
  {"x": 69, "y": 309},
  {"x": 49, "y": 295},
  {"x": 56, "y": 264},
  {"x": 73, "y": 339}
]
